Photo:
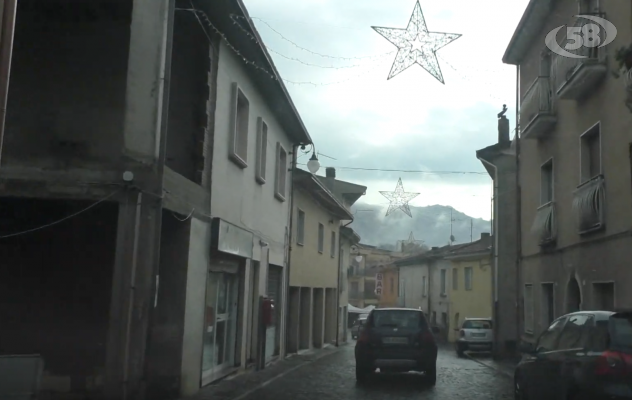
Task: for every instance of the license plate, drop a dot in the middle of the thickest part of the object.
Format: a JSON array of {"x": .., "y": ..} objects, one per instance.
[
  {"x": 478, "y": 335},
  {"x": 395, "y": 340}
]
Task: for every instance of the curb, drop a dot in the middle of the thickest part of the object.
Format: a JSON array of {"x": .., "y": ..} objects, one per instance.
[
  {"x": 284, "y": 373},
  {"x": 499, "y": 370}
]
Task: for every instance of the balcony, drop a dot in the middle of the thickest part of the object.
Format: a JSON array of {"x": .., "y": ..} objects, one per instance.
[
  {"x": 536, "y": 109},
  {"x": 589, "y": 200},
  {"x": 544, "y": 227},
  {"x": 576, "y": 77}
]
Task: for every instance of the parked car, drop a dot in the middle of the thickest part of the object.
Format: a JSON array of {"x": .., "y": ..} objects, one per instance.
[
  {"x": 357, "y": 325},
  {"x": 475, "y": 334},
  {"x": 585, "y": 355},
  {"x": 396, "y": 340}
]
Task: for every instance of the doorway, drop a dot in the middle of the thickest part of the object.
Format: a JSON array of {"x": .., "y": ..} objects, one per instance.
[
  {"x": 221, "y": 325},
  {"x": 573, "y": 296}
]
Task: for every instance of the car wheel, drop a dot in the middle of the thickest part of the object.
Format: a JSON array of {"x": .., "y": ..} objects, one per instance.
[
  {"x": 519, "y": 392},
  {"x": 460, "y": 351},
  {"x": 431, "y": 375},
  {"x": 362, "y": 374}
]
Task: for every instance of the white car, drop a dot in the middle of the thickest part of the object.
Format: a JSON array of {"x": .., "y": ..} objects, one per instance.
[{"x": 475, "y": 334}]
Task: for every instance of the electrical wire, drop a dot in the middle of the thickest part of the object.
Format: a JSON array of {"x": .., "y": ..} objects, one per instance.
[{"x": 63, "y": 219}]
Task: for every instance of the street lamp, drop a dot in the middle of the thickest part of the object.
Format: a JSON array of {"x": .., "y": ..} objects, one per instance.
[{"x": 313, "y": 165}]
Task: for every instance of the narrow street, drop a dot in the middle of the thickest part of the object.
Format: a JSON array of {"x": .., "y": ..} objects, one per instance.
[{"x": 333, "y": 377}]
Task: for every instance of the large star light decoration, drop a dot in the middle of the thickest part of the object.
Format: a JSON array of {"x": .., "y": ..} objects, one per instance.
[
  {"x": 399, "y": 199},
  {"x": 416, "y": 45}
]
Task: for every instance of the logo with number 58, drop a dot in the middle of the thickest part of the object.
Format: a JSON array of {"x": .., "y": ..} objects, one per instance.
[{"x": 598, "y": 33}]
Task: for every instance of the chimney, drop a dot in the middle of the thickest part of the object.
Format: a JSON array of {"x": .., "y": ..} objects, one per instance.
[
  {"x": 503, "y": 127},
  {"x": 330, "y": 172},
  {"x": 485, "y": 235}
]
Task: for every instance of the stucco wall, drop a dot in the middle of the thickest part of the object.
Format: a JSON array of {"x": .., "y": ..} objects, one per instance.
[
  {"x": 413, "y": 278},
  {"x": 599, "y": 256},
  {"x": 474, "y": 303},
  {"x": 236, "y": 196},
  {"x": 310, "y": 267}
]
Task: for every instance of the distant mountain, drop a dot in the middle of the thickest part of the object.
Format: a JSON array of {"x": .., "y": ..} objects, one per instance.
[{"x": 429, "y": 224}]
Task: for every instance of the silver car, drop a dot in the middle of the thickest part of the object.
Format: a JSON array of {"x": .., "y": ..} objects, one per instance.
[{"x": 476, "y": 334}]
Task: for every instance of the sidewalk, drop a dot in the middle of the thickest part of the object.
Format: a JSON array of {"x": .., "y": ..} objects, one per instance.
[
  {"x": 240, "y": 385},
  {"x": 505, "y": 367}
]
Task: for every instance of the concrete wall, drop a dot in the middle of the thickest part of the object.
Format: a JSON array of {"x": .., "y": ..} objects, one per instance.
[
  {"x": 413, "y": 290},
  {"x": 68, "y": 80},
  {"x": 600, "y": 256},
  {"x": 236, "y": 196},
  {"x": 192, "y": 340},
  {"x": 474, "y": 303},
  {"x": 309, "y": 266}
]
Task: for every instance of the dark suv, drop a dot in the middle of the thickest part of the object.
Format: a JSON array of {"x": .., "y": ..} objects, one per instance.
[
  {"x": 396, "y": 340},
  {"x": 585, "y": 355}
]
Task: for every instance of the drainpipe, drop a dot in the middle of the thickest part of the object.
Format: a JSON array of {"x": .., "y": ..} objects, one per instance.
[
  {"x": 339, "y": 286},
  {"x": 289, "y": 252},
  {"x": 8, "y": 16},
  {"x": 519, "y": 210}
]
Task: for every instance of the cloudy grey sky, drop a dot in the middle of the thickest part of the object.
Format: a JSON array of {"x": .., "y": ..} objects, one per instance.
[{"x": 411, "y": 122}]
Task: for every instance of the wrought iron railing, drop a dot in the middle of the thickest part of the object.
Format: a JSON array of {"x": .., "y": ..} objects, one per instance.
[
  {"x": 564, "y": 67},
  {"x": 536, "y": 100}
]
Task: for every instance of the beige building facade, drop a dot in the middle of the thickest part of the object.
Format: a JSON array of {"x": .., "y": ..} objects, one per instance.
[{"x": 574, "y": 170}]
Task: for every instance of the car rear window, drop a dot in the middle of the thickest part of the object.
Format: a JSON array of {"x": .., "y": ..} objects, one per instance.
[
  {"x": 622, "y": 330},
  {"x": 477, "y": 325},
  {"x": 399, "y": 319}
]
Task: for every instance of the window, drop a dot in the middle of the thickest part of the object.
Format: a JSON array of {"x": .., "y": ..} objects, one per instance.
[
  {"x": 401, "y": 289},
  {"x": 455, "y": 279},
  {"x": 424, "y": 287},
  {"x": 590, "y": 156},
  {"x": 392, "y": 285},
  {"x": 397, "y": 319},
  {"x": 469, "y": 272},
  {"x": 543, "y": 224},
  {"x": 281, "y": 172},
  {"x": 300, "y": 228},
  {"x": 548, "y": 339},
  {"x": 528, "y": 308},
  {"x": 354, "y": 289},
  {"x": 262, "y": 147},
  {"x": 332, "y": 252},
  {"x": 239, "y": 130},
  {"x": 343, "y": 278},
  {"x": 321, "y": 238},
  {"x": 546, "y": 182},
  {"x": 574, "y": 335},
  {"x": 477, "y": 324},
  {"x": 603, "y": 296},
  {"x": 443, "y": 282}
]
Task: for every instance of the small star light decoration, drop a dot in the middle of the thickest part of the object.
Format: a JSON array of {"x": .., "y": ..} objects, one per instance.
[
  {"x": 399, "y": 199},
  {"x": 416, "y": 45}
]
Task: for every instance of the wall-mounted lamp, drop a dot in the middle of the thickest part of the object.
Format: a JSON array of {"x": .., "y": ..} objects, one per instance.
[
  {"x": 313, "y": 165},
  {"x": 263, "y": 244}
]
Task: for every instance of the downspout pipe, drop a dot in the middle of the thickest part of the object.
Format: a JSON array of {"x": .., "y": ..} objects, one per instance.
[
  {"x": 339, "y": 288},
  {"x": 519, "y": 212},
  {"x": 9, "y": 13}
]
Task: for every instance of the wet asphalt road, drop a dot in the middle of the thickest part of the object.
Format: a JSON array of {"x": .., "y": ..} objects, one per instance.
[{"x": 333, "y": 377}]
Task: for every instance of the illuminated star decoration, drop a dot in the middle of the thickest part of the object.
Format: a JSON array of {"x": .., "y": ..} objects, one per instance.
[
  {"x": 399, "y": 199},
  {"x": 416, "y": 45}
]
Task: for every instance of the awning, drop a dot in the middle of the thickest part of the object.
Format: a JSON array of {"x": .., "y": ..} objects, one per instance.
[{"x": 357, "y": 310}]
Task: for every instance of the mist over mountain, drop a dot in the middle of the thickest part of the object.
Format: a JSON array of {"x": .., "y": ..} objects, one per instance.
[{"x": 430, "y": 224}]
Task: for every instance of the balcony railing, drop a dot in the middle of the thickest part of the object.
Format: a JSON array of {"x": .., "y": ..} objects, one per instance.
[
  {"x": 576, "y": 77},
  {"x": 589, "y": 201},
  {"x": 536, "y": 109},
  {"x": 544, "y": 227}
]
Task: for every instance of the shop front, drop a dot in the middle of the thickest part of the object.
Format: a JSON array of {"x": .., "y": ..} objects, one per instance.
[{"x": 231, "y": 246}]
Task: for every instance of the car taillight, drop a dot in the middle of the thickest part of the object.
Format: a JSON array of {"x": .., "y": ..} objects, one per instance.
[
  {"x": 364, "y": 337},
  {"x": 614, "y": 363},
  {"x": 462, "y": 333},
  {"x": 427, "y": 337}
]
